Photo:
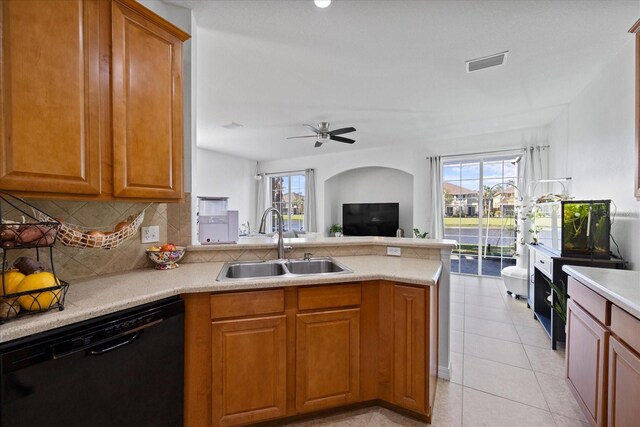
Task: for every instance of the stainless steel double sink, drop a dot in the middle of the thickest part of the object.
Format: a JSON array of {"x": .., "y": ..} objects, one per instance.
[{"x": 281, "y": 268}]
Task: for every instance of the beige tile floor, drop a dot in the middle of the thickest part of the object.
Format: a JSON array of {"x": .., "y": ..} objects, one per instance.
[{"x": 504, "y": 372}]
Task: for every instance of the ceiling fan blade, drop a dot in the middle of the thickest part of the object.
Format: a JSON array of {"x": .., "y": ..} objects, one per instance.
[
  {"x": 306, "y": 136},
  {"x": 312, "y": 128},
  {"x": 341, "y": 131},
  {"x": 318, "y": 144},
  {"x": 341, "y": 139}
]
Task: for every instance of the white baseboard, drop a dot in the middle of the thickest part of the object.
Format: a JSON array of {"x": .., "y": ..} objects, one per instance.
[{"x": 444, "y": 372}]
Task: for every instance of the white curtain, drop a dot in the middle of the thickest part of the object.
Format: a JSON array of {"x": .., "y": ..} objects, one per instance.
[
  {"x": 535, "y": 167},
  {"x": 435, "y": 219},
  {"x": 261, "y": 197},
  {"x": 310, "y": 213}
]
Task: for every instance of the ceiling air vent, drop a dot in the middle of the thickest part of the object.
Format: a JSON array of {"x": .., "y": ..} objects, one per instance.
[
  {"x": 487, "y": 62},
  {"x": 232, "y": 125}
]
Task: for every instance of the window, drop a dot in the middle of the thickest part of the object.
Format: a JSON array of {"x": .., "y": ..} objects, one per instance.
[
  {"x": 479, "y": 213},
  {"x": 287, "y": 195}
]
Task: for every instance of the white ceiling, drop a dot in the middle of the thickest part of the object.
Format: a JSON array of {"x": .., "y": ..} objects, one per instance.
[{"x": 395, "y": 70}]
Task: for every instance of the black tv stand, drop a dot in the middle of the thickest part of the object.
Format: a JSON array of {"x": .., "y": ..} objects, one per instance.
[{"x": 546, "y": 264}]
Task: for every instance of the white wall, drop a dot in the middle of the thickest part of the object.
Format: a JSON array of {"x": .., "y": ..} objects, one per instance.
[
  {"x": 593, "y": 141},
  {"x": 228, "y": 176},
  {"x": 370, "y": 185},
  {"x": 411, "y": 159}
]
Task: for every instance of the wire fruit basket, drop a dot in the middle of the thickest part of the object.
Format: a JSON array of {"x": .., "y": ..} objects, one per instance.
[{"x": 31, "y": 287}]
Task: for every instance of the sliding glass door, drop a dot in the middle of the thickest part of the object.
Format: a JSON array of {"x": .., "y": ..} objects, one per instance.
[{"x": 479, "y": 213}]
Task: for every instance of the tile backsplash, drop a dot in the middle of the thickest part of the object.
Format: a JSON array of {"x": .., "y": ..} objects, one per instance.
[{"x": 74, "y": 263}]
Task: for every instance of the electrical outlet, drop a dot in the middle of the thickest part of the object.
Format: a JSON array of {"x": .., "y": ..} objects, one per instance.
[
  {"x": 150, "y": 234},
  {"x": 394, "y": 251}
]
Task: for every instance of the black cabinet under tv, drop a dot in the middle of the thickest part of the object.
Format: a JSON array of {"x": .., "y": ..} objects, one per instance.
[
  {"x": 370, "y": 219},
  {"x": 546, "y": 264}
]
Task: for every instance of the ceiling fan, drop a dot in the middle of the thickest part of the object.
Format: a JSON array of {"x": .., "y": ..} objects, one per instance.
[{"x": 323, "y": 134}]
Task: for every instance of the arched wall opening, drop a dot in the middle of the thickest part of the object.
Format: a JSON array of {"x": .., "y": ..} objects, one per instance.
[{"x": 373, "y": 184}]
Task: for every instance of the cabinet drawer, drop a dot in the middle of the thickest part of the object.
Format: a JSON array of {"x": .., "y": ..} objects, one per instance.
[
  {"x": 247, "y": 303},
  {"x": 593, "y": 303},
  {"x": 328, "y": 296},
  {"x": 544, "y": 264},
  {"x": 626, "y": 327}
]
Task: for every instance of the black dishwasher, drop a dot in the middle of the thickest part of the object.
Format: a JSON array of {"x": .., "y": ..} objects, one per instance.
[{"x": 123, "y": 369}]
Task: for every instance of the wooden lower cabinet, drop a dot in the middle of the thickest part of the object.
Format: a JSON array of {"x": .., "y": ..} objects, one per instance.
[
  {"x": 327, "y": 359},
  {"x": 624, "y": 385},
  {"x": 586, "y": 353},
  {"x": 409, "y": 358},
  {"x": 249, "y": 370},
  {"x": 268, "y": 354}
]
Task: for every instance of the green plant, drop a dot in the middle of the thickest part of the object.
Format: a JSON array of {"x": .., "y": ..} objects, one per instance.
[
  {"x": 335, "y": 228},
  {"x": 559, "y": 303},
  {"x": 416, "y": 232}
]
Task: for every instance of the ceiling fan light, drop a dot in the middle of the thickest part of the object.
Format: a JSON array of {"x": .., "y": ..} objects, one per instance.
[{"x": 322, "y": 3}]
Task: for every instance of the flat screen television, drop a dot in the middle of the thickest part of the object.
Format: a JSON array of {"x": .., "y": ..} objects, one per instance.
[{"x": 370, "y": 219}]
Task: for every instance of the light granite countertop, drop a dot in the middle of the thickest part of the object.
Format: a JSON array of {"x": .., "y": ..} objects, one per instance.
[
  {"x": 107, "y": 294},
  {"x": 621, "y": 287},
  {"x": 264, "y": 242}
]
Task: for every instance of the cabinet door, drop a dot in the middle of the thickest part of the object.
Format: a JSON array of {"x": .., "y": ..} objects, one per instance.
[
  {"x": 147, "y": 106},
  {"x": 327, "y": 359},
  {"x": 624, "y": 385},
  {"x": 49, "y": 92},
  {"x": 409, "y": 364},
  {"x": 249, "y": 370},
  {"x": 586, "y": 354}
]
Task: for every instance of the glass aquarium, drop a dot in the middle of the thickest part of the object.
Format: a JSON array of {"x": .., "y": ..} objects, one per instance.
[{"x": 585, "y": 228}]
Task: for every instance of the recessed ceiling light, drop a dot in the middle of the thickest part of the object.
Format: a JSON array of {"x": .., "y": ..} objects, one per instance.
[{"x": 322, "y": 3}]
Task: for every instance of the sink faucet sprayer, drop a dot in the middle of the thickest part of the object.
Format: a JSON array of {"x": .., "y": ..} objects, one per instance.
[{"x": 280, "y": 227}]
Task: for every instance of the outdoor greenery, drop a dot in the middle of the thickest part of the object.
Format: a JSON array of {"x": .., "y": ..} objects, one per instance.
[
  {"x": 492, "y": 250},
  {"x": 473, "y": 222}
]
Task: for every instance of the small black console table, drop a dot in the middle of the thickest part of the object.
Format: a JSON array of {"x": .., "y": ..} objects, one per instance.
[{"x": 546, "y": 263}]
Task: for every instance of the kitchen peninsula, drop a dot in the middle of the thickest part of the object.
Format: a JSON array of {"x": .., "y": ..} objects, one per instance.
[{"x": 386, "y": 325}]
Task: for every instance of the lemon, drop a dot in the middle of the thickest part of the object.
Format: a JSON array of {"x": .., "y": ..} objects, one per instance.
[
  {"x": 12, "y": 279},
  {"x": 38, "y": 300}
]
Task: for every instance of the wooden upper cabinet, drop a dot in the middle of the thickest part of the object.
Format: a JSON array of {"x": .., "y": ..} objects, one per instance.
[
  {"x": 147, "y": 104},
  {"x": 636, "y": 184},
  {"x": 91, "y": 96},
  {"x": 49, "y": 92}
]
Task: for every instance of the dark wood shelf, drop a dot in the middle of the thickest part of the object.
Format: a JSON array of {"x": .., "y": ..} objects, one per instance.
[
  {"x": 539, "y": 288},
  {"x": 545, "y": 321}
]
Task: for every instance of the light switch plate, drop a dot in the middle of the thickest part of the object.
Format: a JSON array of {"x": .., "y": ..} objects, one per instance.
[
  {"x": 394, "y": 251},
  {"x": 150, "y": 234}
]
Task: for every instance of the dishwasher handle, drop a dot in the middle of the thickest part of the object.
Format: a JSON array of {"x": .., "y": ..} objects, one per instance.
[
  {"x": 65, "y": 349},
  {"x": 110, "y": 347}
]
